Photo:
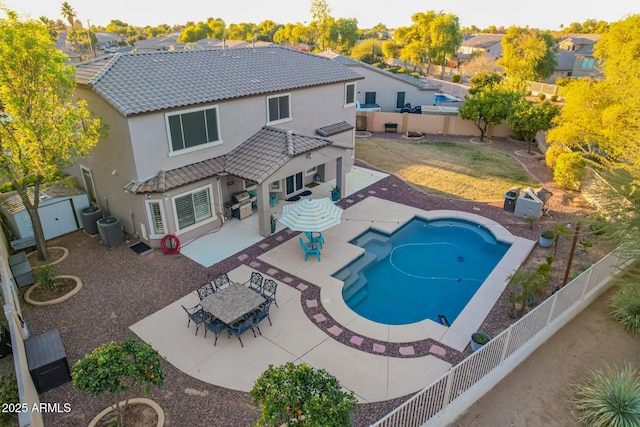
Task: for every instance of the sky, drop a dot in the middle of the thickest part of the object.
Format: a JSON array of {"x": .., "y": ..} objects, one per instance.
[{"x": 544, "y": 14}]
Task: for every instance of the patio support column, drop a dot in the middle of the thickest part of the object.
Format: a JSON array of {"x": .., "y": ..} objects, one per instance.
[
  {"x": 264, "y": 212},
  {"x": 341, "y": 177}
]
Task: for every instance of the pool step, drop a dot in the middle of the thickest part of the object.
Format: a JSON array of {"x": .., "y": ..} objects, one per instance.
[
  {"x": 355, "y": 289},
  {"x": 371, "y": 236},
  {"x": 350, "y": 274},
  {"x": 359, "y": 296},
  {"x": 380, "y": 248}
]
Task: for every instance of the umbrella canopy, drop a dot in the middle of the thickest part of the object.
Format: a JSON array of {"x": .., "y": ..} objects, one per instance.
[{"x": 311, "y": 215}]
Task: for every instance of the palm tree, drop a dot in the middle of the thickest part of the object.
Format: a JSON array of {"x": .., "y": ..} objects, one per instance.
[{"x": 70, "y": 14}]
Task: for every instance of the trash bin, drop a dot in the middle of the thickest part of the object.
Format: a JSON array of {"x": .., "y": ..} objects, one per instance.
[
  {"x": 110, "y": 230},
  {"x": 510, "y": 198},
  {"x": 89, "y": 217}
]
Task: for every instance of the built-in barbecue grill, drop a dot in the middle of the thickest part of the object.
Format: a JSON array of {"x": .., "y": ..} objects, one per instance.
[{"x": 240, "y": 205}]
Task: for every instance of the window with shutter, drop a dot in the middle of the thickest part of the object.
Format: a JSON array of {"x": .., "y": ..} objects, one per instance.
[
  {"x": 156, "y": 217},
  {"x": 193, "y": 208}
]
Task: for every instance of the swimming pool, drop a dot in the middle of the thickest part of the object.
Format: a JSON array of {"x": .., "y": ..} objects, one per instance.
[{"x": 425, "y": 269}]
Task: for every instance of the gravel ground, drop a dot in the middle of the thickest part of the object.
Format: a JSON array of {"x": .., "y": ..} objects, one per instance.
[{"x": 121, "y": 288}]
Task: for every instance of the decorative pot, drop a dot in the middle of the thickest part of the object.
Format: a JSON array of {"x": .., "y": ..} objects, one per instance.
[
  {"x": 335, "y": 194},
  {"x": 479, "y": 336},
  {"x": 545, "y": 242}
]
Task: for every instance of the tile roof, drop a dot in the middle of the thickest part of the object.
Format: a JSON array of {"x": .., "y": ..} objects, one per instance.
[
  {"x": 334, "y": 129},
  {"x": 566, "y": 59},
  {"x": 142, "y": 82},
  {"x": 350, "y": 62},
  {"x": 256, "y": 159},
  {"x": 482, "y": 40}
]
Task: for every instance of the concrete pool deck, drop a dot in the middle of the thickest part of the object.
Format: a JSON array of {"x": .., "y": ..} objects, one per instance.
[{"x": 372, "y": 370}]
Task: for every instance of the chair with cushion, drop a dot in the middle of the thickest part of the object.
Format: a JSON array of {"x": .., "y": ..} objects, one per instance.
[
  {"x": 221, "y": 281},
  {"x": 273, "y": 199},
  {"x": 214, "y": 325},
  {"x": 260, "y": 314},
  {"x": 255, "y": 282},
  {"x": 269, "y": 288},
  {"x": 205, "y": 290},
  {"x": 309, "y": 252},
  {"x": 240, "y": 327},
  {"x": 314, "y": 240},
  {"x": 195, "y": 314}
]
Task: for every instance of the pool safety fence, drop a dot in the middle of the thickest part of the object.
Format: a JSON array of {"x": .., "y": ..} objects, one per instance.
[{"x": 443, "y": 401}]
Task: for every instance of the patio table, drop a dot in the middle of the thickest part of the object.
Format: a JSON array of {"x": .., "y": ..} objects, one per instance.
[{"x": 231, "y": 303}]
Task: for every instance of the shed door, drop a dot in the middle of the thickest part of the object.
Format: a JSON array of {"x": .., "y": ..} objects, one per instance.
[{"x": 57, "y": 219}]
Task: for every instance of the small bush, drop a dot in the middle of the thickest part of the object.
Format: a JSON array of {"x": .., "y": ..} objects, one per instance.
[
  {"x": 599, "y": 225},
  {"x": 457, "y": 78},
  {"x": 554, "y": 98},
  {"x": 46, "y": 277},
  {"x": 529, "y": 93},
  {"x": 297, "y": 394},
  {"x": 9, "y": 394},
  {"x": 625, "y": 309},
  {"x": 552, "y": 154},
  {"x": 541, "y": 97},
  {"x": 569, "y": 170},
  {"x": 610, "y": 397}
]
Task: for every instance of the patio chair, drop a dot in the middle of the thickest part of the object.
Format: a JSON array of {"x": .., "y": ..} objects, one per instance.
[
  {"x": 273, "y": 199},
  {"x": 195, "y": 314},
  {"x": 309, "y": 252},
  {"x": 221, "y": 281},
  {"x": 214, "y": 325},
  {"x": 314, "y": 240},
  {"x": 241, "y": 327},
  {"x": 255, "y": 282},
  {"x": 269, "y": 288},
  {"x": 260, "y": 314},
  {"x": 205, "y": 290}
]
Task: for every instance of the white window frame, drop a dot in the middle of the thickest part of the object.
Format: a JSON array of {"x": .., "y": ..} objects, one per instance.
[
  {"x": 286, "y": 119},
  {"x": 212, "y": 218},
  {"x": 87, "y": 180},
  {"x": 346, "y": 103},
  {"x": 173, "y": 152},
  {"x": 150, "y": 215}
]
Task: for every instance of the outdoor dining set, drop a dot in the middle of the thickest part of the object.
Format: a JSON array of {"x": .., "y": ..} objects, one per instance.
[{"x": 233, "y": 307}]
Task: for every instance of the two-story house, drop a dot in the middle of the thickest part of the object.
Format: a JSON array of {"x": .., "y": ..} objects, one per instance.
[
  {"x": 489, "y": 44},
  {"x": 190, "y": 129},
  {"x": 385, "y": 90},
  {"x": 585, "y": 64}
]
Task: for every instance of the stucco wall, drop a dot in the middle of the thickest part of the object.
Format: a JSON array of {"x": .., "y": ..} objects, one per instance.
[{"x": 430, "y": 123}]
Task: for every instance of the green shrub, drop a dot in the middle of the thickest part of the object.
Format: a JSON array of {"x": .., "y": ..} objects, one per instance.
[
  {"x": 552, "y": 154},
  {"x": 9, "y": 394},
  {"x": 457, "y": 78},
  {"x": 299, "y": 395},
  {"x": 625, "y": 309},
  {"x": 541, "y": 97},
  {"x": 599, "y": 225},
  {"x": 554, "y": 98},
  {"x": 119, "y": 369},
  {"x": 46, "y": 277},
  {"x": 528, "y": 93},
  {"x": 569, "y": 170},
  {"x": 610, "y": 397}
]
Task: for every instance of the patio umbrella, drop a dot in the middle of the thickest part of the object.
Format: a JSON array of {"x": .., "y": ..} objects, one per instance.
[{"x": 311, "y": 215}]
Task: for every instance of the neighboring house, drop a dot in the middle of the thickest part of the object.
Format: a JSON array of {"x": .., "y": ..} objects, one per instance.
[
  {"x": 491, "y": 44},
  {"x": 188, "y": 130},
  {"x": 383, "y": 89},
  {"x": 585, "y": 64},
  {"x": 107, "y": 40},
  {"x": 566, "y": 61},
  {"x": 154, "y": 44}
]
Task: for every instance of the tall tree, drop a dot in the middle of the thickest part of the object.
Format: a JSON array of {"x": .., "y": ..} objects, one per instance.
[
  {"x": 528, "y": 55},
  {"x": 70, "y": 14},
  {"x": 368, "y": 51},
  {"x": 42, "y": 130},
  {"x": 445, "y": 39}
]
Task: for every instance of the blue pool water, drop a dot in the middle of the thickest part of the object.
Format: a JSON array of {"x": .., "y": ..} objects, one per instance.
[{"x": 425, "y": 269}]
